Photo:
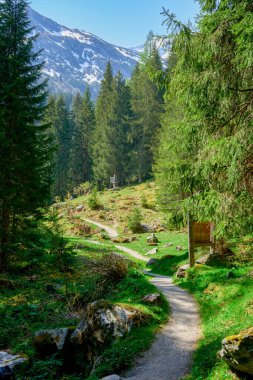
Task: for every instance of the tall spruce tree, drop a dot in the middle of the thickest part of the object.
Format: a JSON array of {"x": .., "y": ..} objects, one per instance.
[
  {"x": 101, "y": 138},
  {"x": 83, "y": 115},
  {"x": 211, "y": 87},
  {"x": 63, "y": 132},
  {"x": 147, "y": 106},
  {"x": 110, "y": 152},
  {"x": 24, "y": 145}
]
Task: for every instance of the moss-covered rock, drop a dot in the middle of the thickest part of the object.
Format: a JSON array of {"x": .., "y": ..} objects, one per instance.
[{"x": 237, "y": 351}]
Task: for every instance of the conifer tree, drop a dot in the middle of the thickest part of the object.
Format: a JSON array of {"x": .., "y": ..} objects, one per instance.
[
  {"x": 24, "y": 143},
  {"x": 111, "y": 148},
  {"x": 63, "y": 139},
  {"x": 211, "y": 136},
  {"x": 147, "y": 107},
  {"x": 103, "y": 111},
  {"x": 83, "y": 115}
]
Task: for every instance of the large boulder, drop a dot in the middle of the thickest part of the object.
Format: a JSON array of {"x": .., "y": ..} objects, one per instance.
[
  {"x": 104, "y": 322},
  {"x": 50, "y": 341},
  {"x": 10, "y": 364},
  {"x": 237, "y": 351},
  {"x": 112, "y": 377}
]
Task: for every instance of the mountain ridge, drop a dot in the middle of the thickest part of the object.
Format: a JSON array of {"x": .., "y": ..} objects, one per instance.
[{"x": 75, "y": 58}]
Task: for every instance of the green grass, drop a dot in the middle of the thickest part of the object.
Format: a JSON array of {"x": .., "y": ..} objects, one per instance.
[
  {"x": 29, "y": 307},
  {"x": 226, "y": 308}
]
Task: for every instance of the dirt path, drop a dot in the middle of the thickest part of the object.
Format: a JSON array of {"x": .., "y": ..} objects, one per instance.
[
  {"x": 170, "y": 355},
  {"x": 111, "y": 232}
]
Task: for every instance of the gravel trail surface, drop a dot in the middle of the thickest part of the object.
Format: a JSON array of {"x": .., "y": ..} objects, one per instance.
[{"x": 170, "y": 355}]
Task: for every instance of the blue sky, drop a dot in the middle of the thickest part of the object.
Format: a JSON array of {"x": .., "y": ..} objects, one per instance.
[{"x": 122, "y": 22}]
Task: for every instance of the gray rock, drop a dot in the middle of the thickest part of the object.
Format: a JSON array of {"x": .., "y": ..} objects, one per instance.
[
  {"x": 80, "y": 208},
  {"x": 54, "y": 339},
  {"x": 112, "y": 377},
  {"x": 81, "y": 333},
  {"x": 237, "y": 351},
  {"x": 154, "y": 298},
  {"x": 10, "y": 363},
  {"x": 152, "y": 262},
  {"x": 182, "y": 271},
  {"x": 152, "y": 252},
  {"x": 152, "y": 239},
  {"x": 168, "y": 245},
  {"x": 203, "y": 259},
  {"x": 104, "y": 322}
]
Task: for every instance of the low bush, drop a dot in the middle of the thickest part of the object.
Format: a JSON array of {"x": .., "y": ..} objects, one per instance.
[
  {"x": 134, "y": 221},
  {"x": 111, "y": 267},
  {"x": 82, "y": 189},
  {"x": 93, "y": 202}
]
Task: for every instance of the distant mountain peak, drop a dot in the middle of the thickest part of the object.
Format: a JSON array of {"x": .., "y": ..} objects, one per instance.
[{"x": 75, "y": 58}]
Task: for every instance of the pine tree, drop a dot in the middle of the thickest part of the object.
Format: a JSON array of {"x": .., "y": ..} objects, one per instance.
[
  {"x": 63, "y": 138},
  {"x": 147, "y": 107},
  {"x": 111, "y": 148},
  {"x": 83, "y": 126},
  {"x": 103, "y": 111},
  {"x": 24, "y": 143},
  {"x": 211, "y": 87}
]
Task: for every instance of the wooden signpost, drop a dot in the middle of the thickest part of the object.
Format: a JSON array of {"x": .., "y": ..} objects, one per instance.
[
  {"x": 114, "y": 182},
  {"x": 200, "y": 234}
]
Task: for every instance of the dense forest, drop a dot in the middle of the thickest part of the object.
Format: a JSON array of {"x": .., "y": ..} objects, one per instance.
[
  {"x": 117, "y": 135},
  {"x": 178, "y": 136}
]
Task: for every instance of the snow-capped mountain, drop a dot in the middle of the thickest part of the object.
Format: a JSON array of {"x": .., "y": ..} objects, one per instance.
[{"x": 75, "y": 59}]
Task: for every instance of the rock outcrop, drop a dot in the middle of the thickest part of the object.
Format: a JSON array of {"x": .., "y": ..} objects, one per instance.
[
  {"x": 10, "y": 364},
  {"x": 50, "y": 341},
  {"x": 104, "y": 322},
  {"x": 237, "y": 351}
]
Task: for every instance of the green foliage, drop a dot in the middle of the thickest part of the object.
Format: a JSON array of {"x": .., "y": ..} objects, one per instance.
[
  {"x": 82, "y": 189},
  {"x": 93, "y": 201},
  {"x": 110, "y": 140},
  {"x": 24, "y": 143},
  {"x": 144, "y": 202},
  {"x": 204, "y": 158},
  {"x": 147, "y": 106},
  {"x": 134, "y": 221},
  {"x": 83, "y": 119},
  {"x": 45, "y": 369},
  {"x": 226, "y": 309}
]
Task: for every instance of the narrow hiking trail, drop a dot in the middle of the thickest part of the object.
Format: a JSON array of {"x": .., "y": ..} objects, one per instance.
[{"x": 170, "y": 355}]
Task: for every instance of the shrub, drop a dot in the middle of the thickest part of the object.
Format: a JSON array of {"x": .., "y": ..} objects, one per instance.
[
  {"x": 134, "y": 221},
  {"x": 144, "y": 202},
  {"x": 82, "y": 189},
  {"x": 93, "y": 202},
  {"x": 111, "y": 267}
]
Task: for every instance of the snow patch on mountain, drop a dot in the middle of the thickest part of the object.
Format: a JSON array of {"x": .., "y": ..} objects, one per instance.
[{"x": 75, "y": 58}]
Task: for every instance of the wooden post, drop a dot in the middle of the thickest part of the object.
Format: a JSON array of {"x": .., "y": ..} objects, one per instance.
[
  {"x": 190, "y": 241},
  {"x": 213, "y": 240}
]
